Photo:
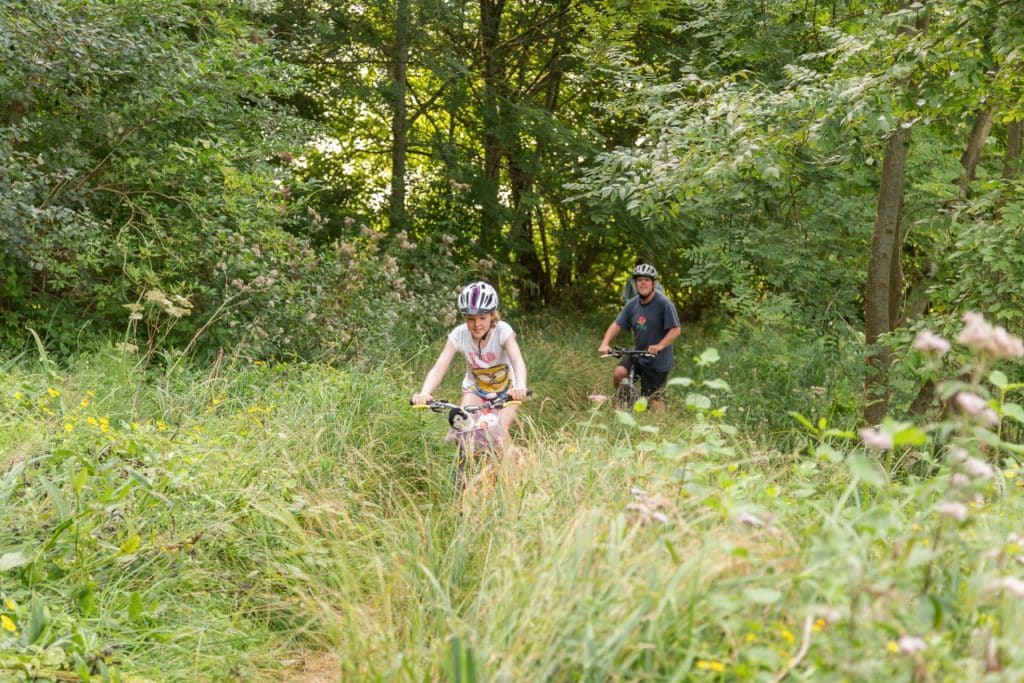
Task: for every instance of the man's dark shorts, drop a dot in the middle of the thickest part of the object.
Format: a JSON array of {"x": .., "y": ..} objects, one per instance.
[{"x": 652, "y": 382}]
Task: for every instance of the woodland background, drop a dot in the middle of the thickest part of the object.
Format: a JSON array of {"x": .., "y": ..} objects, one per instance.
[{"x": 312, "y": 177}]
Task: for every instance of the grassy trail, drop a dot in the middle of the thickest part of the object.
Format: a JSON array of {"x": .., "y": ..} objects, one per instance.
[{"x": 298, "y": 522}]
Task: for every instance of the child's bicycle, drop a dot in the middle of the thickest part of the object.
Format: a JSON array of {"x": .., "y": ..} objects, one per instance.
[
  {"x": 475, "y": 428},
  {"x": 628, "y": 392}
]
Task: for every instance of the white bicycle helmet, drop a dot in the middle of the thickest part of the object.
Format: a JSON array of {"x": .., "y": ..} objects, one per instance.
[
  {"x": 477, "y": 298},
  {"x": 645, "y": 270}
]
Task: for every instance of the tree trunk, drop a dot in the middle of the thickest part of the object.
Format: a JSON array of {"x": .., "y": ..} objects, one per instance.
[
  {"x": 528, "y": 227},
  {"x": 879, "y": 295},
  {"x": 399, "y": 118},
  {"x": 1011, "y": 161},
  {"x": 490, "y": 31},
  {"x": 972, "y": 154},
  {"x": 529, "y": 274}
]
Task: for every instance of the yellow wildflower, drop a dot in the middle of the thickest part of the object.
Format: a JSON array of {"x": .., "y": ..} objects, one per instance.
[
  {"x": 710, "y": 665},
  {"x": 104, "y": 424},
  {"x": 11, "y": 605},
  {"x": 68, "y": 427},
  {"x": 1010, "y": 474},
  {"x": 161, "y": 425},
  {"x": 751, "y": 637},
  {"x": 8, "y": 623},
  {"x": 90, "y": 393},
  {"x": 84, "y": 403},
  {"x": 787, "y": 635},
  {"x": 819, "y": 625},
  {"x": 92, "y": 420},
  {"x": 891, "y": 646},
  {"x": 18, "y": 396},
  {"x": 53, "y": 392}
]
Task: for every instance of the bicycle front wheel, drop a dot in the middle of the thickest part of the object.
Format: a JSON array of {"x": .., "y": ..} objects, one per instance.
[{"x": 626, "y": 395}]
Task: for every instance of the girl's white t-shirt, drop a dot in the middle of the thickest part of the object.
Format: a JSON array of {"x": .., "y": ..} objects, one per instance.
[{"x": 487, "y": 365}]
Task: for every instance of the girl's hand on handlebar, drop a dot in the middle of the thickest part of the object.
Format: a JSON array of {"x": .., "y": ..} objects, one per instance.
[
  {"x": 421, "y": 399},
  {"x": 518, "y": 393}
]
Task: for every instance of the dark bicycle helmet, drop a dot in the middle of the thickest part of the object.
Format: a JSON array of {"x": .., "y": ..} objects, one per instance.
[
  {"x": 645, "y": 270},
  {"x": 477, "y": 298}
]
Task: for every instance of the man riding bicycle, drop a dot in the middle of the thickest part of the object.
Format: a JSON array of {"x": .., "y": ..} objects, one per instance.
[{"x": 655, "y": 325}]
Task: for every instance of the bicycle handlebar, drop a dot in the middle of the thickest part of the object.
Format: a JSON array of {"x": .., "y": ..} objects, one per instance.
[
  {"x": 496, "y": 403},
  {"x": 619, "y": 352}
]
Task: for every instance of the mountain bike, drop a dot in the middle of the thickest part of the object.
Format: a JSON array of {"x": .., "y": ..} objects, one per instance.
[
  {"x": 475, "y": 429},
  {"x": 628, "y": 392}
]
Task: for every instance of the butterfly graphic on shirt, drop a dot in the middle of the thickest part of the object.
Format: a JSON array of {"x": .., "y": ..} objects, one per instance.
[{"x": 492, "y": 379}]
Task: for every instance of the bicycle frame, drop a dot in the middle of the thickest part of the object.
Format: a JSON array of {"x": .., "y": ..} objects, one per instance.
[
  {"x": 628, "y": 391},
  {"x": 475, "y": 429}
]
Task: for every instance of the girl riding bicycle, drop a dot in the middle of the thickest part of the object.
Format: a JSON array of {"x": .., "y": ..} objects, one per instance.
[{"x": 494, "y": 363}]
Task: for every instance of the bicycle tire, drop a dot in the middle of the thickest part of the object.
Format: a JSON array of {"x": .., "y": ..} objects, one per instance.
[
  {"x": 626, "y": 395},
  {"x": 473, "y": 448}
]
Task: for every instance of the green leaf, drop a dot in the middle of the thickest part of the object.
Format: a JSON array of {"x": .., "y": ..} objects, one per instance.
[
  {"x": 828, "y": 453},
  {"x": 866, "y": 470},
  {"x": 135, "y": 607},
  {"x": 85, "y": 597},
  {"x": 38, "y": 620},
  {"x": 680, "y": 382},
  {"x": 78, "y": 481},
  {"x": 1013, "y": 410},
  {"x": 9, "y": 561},
  {"x": 720, "y": 384},
  {"x": 998, "y": 379},
  {"x": 698, "y": 401},
  {"x": 131, "y": 544},
  {"x": 803, "y": 420},
  {"x": 762, "y": 596},
  {"x": 672, "y": 551},
  {"x": 139, "y": 477},
  {"x": 709, "y": 357},
  {"x": 625, "y": 418},
  {"x": 57, "y": 497},
  {"x": 909, "y": 436}
]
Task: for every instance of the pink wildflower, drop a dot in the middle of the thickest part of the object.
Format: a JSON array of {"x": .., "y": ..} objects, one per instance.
[
  {"x": 911, "y": 645},
  {"x": 874, "y": 439},
  {"x": 1010, "y": 584},
  {"x": 970, "y": 403},
  {"x": 928, "y": 342},
  {"x": 977, "y": 469},
  {"x": 957, "y": 511},
  {"x": 993, "y": 341}
]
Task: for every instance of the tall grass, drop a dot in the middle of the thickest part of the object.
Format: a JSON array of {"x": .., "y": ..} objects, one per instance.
[{"x": 299, "y": 522}]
